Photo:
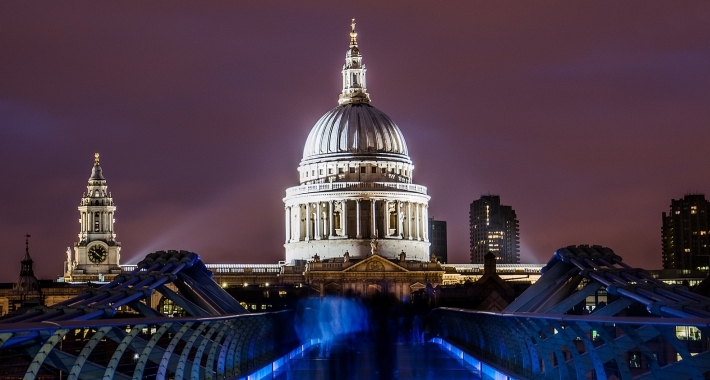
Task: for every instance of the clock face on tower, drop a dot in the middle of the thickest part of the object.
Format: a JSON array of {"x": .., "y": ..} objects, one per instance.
[{"x": 97, "y": 254}]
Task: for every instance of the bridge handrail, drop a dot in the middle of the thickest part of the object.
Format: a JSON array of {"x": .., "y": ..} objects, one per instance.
[
  {"x": 661, "y": 321},
  {"x": 538, "y": 345},
  {"x": 227, "y": 346},
  {"x": 113, "y": 322}
]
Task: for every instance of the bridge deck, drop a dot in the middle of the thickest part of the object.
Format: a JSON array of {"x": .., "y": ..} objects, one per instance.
[{"x": 367, "y": 361}]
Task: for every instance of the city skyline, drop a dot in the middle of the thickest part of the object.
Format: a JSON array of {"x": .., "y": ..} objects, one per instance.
[{"x": 587, "y": 118}]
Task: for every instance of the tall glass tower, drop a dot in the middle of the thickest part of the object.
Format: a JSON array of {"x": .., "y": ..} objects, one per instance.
[
  {"x": 494, "y": 228},
  {"x": 686, "y": 234}
]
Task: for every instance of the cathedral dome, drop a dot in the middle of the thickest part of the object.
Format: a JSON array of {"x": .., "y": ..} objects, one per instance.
[
  {"x": 356, "y": 197},
  {"x": 355, "y": 129}
]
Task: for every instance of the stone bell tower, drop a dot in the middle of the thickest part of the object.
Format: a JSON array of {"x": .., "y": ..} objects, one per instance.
[{"x": 97, "y": 253}]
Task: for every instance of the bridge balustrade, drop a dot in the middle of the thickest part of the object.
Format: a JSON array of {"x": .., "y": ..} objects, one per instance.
[
  {"x": 648, "y": 329},
  {"x": 531, "y": 345},
  {"x": 216, "y": 347},
  {"x": 87, "y": 337}
]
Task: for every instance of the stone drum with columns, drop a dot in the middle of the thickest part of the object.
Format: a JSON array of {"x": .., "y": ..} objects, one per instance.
[{"x": 356, "y": 190}]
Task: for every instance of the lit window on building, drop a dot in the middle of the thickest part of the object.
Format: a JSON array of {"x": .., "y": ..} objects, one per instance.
[
  {"x": 169, "y": 308},
  {"x": 634, "y": 360},
  {"x": 687, "y": 333},
  {"x": 595, "y": 335}
]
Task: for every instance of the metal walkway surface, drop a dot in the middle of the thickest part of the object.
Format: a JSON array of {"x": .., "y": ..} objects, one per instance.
[{"x": 415, "y": 361}]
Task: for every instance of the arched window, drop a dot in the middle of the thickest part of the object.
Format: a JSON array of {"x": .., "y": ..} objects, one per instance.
[{"x": 96, "y": 221}]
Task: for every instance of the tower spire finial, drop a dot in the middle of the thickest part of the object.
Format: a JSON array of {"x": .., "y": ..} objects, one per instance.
[
  {"x": 354, "y": 90},
  {"x": 353, "y": 35},
  {"x": 27, "y": 245},
  {"x": 96, "y": 158}
]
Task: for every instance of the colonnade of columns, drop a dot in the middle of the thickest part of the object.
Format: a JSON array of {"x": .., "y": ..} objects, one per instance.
[
  {"x": 89, "y": 221},
  {"x": 329, "y": 220}
]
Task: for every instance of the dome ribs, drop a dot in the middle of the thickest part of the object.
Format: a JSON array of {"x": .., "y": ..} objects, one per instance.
[
  {"x": 364, "y": 120},
  {"x": 382, "y": 135},
  {"x": 354, "y": 129},
  {"x": 354, "y": 133},
  {"x": 333, "y": 134},
  {"x": 318, "y": 137}
]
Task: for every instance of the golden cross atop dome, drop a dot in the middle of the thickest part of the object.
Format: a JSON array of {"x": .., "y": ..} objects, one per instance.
[{"x": 96, "y": 158}]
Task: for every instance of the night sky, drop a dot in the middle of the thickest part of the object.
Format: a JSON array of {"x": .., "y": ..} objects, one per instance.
[{"x": 586, "y": 117}]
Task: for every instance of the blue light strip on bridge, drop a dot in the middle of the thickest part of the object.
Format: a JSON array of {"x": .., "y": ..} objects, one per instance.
[
  {"x": 485, "y": 370},
  {"x": 276, "y": 365}
]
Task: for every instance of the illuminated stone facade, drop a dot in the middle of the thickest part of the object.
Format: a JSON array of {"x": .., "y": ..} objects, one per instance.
[
  {"x": 356, "y": 194},
  {"x": 97, "y": 253}
]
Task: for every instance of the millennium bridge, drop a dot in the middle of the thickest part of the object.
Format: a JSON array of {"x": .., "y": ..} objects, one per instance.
[{"x": 542, "y": 334}]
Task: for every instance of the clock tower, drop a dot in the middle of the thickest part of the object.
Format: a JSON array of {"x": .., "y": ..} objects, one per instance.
[{"x": 97, "y": 253}]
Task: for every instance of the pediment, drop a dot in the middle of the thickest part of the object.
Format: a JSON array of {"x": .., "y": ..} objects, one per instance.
[
  {"x": 417, "y": 286},
  {"x": 376, "y": 263}
]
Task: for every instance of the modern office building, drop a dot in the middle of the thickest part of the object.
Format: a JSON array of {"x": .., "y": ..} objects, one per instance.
[
  {"x": 437, "y": 238},
  {"x": 494, "y": 228},
  {"x": 686, "y": 234}
]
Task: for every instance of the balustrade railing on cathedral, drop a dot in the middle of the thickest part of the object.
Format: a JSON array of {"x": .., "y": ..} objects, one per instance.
[{"x": 304, "y": 189}]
